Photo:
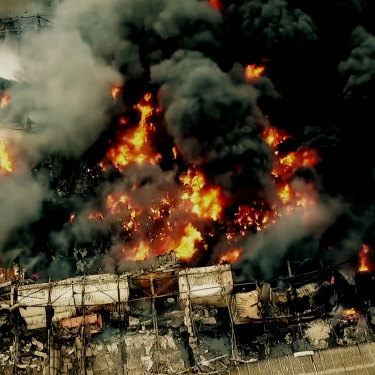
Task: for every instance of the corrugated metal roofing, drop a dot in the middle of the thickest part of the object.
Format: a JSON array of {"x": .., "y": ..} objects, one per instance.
[
  {"x": 64, "y": 296},
  {"x": 358, "y": 359},
  {"x": 95, "y": 290}
]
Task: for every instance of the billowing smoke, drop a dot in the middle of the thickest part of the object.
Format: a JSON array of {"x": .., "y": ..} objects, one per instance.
[
  {"x": 359, "y": 68},
  {"x": 9, "y": 63},
  {"x": 211, "y": 116},
  {"x": 85, "y": 192},
  {"x": 276, "y": 24}
]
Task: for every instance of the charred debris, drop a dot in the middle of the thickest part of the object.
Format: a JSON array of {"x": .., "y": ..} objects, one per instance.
[{"x": 162, "y": 318}]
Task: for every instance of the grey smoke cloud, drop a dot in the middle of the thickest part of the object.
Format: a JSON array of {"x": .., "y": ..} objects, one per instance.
[
  {"x": 360, "y": 66},
  {"x": 10, "y": 65},
  {"x": 276, "y": 23},
  {"x": 210, "y": 115},
  {"x": 20, "y": 202},
  {"x": 265, "y": 250},
  {"x": 64, "y": 89}
]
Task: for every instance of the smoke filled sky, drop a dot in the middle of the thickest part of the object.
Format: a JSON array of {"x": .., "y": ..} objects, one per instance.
[{"x": 184, "y": 154}]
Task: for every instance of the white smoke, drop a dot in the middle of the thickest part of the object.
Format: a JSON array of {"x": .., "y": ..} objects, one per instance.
[{"x": 10, "y": 65}]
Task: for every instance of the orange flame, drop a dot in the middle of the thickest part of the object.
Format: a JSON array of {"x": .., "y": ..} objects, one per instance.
[
  {"x": 199, "y": 198},
  {"x": 96, "y": 215},
  {"x": 350, "y": 313},
  {"x": 186, "y": 246},
  {"x": 256, "y": 217},
  {"x": 231, "y": 256},
  {"x": 285, "y": 193},
  {"x": 138, "y": 253},
  {"x": 134, "y": 146},
  {"x": 5, "y": 161},
  {"x": 116, "y": 91},
  {"x": 254, "y": 71},
  {"x": 207, "y": 201},
  {"x": 175, "y": 152},
  {"x": 274, "y": 137},
  {"x": 287, "y": 165},
  {"x": 364, "y": 263},
  {"x": 4, "y": 100},
  {"x": 117, "y": 204}
]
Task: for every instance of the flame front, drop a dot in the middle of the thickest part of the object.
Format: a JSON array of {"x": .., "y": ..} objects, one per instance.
[
  {"x": 4, "y": 100},
  {"x": 5, "y": 161},
  {"x": 133, "y": 145},
  {"x": 170, "y": 222},
  {"x": 187, "y": 245}
]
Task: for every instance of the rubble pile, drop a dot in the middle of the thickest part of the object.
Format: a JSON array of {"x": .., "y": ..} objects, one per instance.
[{"x": 162, "y": 319}]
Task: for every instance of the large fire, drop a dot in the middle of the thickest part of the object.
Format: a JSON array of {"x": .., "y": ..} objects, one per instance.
[
  {"x": 364, "y": 262},
  {"x": 4, "y": 100},
  {"x": 5, "y": 161},
  {"x": 186, "y": 220},
  {"x": 285, "y": 166}
]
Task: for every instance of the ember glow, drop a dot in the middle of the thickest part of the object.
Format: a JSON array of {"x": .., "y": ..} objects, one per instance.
[
  {"x": 287, "y": 165},
  {"x": 254, "y": 71},
  {"x": 4, "y": 100},
  {"x": 5, "y": 161},
  {"x": 364, "y": 262},
  {"x": 231, "y": 256},
  {"x": 350, "y": 314},
  {"x": 133, "y": 145},
  {"x": 119, "y": 204},
  {"x": 116, "y": 91},
  {"x": 216, "y": 4},
  {"x": 96, "y": 216},
  {"x": 274, "y": 137},
  {"x": 248, "y": 218}
]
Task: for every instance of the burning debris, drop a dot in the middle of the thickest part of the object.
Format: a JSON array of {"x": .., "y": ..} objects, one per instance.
[{"x": 6, "y": 165}]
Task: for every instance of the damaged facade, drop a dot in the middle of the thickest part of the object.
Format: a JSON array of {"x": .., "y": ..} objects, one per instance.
[{"x": 160, "y": 319}]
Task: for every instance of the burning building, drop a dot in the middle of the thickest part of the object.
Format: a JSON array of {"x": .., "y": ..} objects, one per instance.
[{"x": 183, "y": 179}]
